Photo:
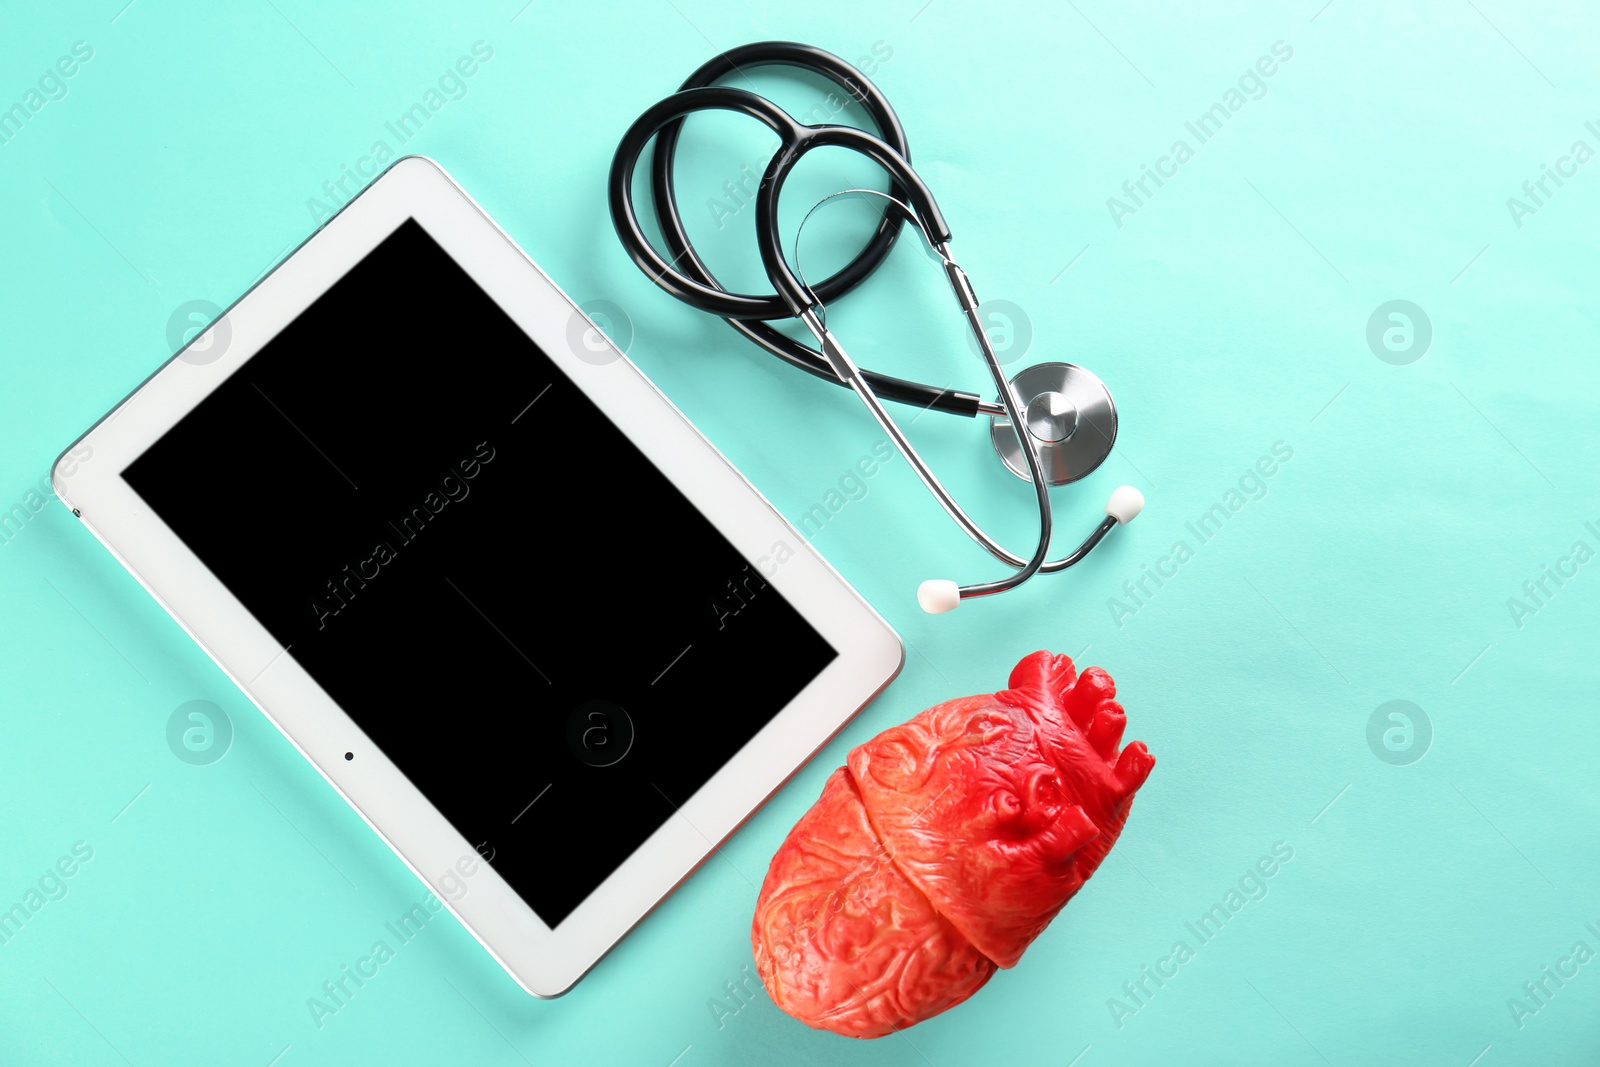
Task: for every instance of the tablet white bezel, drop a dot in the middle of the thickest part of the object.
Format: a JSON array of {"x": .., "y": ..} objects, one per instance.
[{"x": 543, "y": 961}]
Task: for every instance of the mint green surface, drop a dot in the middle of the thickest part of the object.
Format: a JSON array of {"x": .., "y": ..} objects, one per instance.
[{"x": 1228, "y": 313}]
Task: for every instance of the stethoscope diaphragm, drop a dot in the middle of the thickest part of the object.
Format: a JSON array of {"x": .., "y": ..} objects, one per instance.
[{"x": 1069, "y": 414}]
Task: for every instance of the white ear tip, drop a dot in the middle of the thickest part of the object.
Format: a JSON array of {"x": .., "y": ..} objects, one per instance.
[
  {"x": 939, "y": 595},
  {"x": 1125, "y": 504}
]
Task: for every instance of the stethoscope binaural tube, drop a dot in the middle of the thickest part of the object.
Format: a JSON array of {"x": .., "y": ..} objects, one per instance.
[{"x": 686, "y": 277}]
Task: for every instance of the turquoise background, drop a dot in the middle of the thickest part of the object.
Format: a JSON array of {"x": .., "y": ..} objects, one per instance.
[{"x": 1228, "y": 313}]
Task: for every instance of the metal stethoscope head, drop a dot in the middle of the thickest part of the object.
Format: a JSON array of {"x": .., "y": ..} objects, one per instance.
[{"x": 1052, "y": 423}]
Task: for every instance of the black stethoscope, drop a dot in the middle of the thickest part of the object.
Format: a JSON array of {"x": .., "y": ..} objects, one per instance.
[{"x": 1069, "y": 418}]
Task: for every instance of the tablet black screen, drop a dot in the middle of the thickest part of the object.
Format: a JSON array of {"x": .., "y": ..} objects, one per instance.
[{"x": 472, "y": 560}]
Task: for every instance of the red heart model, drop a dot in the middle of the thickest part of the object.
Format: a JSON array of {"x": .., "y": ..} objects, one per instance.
[{"x": 943, "y": 848}]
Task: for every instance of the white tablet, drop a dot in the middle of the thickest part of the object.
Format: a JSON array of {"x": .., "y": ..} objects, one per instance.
[{"x": 491, "y": 583}]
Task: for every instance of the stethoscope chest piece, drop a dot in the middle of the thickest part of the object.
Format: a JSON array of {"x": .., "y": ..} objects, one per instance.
[{"x": 1070, "y": 418}]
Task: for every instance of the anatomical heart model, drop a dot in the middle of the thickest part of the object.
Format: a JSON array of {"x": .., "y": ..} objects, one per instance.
[{"x": 943, "y": 848}]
